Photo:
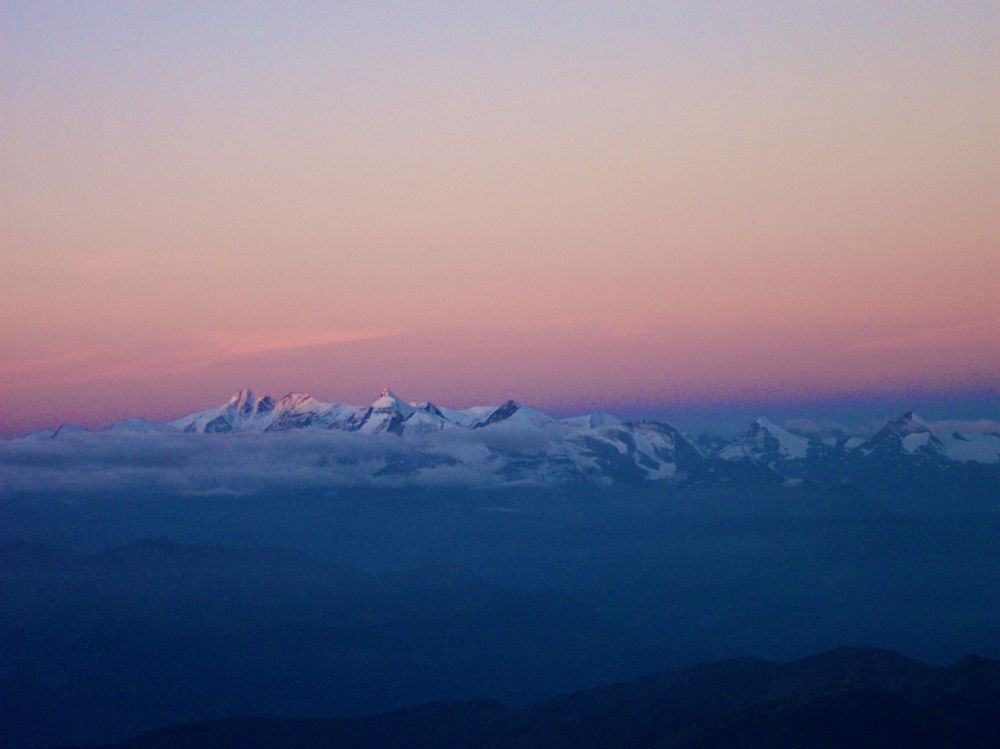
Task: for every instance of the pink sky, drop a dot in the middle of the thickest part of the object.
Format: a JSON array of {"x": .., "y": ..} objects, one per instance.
[{"x": 562, "y": 204}]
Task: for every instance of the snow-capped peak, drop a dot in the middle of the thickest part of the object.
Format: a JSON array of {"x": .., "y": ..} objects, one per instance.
[
  {"x": 241, "y": 398},
  {"x": 511, "y": 442},
  {"x": 387, "y": 399},
  {"x": 908, "y": 434},
  {"x": 296, "y": 401},
  {"x": 789, "y": 445},
  {"x": 909, "y": 423},
  {"x": 765, "y": 439},
  {"x": 246, "y": 404},
  {"x": 594, "y": 420},
  {"x": 386, "y": 414},
  {"x": 500, "y": 413}
]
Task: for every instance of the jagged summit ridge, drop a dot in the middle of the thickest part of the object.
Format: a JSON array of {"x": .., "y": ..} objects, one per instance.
[
  {"x": 513, "y": 443},
  {"x": 388, "y": 413},
  {"x": 506, "y": 443},
  {"x": 905, "y": 437}
]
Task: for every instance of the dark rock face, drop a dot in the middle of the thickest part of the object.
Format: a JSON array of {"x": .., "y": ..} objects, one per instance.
[
  {"x": 218, "y": 425},
  {"x": 888, "y": 441},
  {"x": 432, "y": 410},
  {"x": 502, "y": 413},
  {"x": 291, "y": 420}
]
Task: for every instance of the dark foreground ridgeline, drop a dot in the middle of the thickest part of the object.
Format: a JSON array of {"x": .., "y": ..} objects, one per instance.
[{"x": 844, "y": 698}]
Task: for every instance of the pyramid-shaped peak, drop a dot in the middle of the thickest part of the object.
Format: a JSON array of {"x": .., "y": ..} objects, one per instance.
[
  {"x": 768, "y": 436},
  {"x": 904, "y": 432},
  {"x": 389, "y": 400},
  {"x": 386, "y": 398},
  {"x": 909, "y": 423}
]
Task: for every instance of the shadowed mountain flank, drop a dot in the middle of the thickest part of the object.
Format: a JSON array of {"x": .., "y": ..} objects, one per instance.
[{"x": 845, "y": 697}]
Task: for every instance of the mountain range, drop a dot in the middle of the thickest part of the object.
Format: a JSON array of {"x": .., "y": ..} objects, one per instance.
[
  {"x": 512, "y": 443},
  {"x": 847, "y": 697}
]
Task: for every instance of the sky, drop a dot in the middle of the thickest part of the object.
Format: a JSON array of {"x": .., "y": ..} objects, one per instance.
[{"x": 665, "y": 208}]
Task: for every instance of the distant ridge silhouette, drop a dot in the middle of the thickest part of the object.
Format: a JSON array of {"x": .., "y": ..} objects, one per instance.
[{"x": 849, "y": 697}]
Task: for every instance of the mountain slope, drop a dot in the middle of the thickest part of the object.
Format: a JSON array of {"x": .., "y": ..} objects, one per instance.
[
  {"x": 394, "y": 442},
  {"x": 909, "y": 435},
  {"x": 765, "y": 442},
  {"x": 846, "y": 697}
]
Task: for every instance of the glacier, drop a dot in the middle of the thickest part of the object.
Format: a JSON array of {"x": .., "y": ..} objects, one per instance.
[{"x": 252, "y": 442}]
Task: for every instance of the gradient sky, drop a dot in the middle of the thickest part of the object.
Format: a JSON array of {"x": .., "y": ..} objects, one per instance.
[{"x": 631, "y": 206}]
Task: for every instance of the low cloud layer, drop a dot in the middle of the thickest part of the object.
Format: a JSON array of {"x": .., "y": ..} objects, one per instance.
[
  {"x": 238, "y": 464},
  {"x": 976, "y": 426}
]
